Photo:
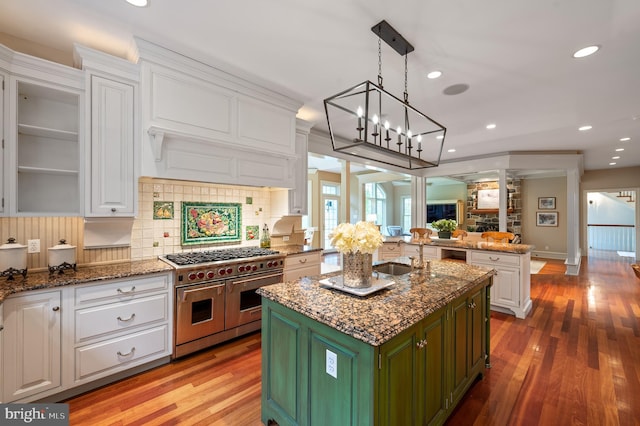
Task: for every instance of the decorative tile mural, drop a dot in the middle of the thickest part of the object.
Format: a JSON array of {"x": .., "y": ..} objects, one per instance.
[
  {"x": 252, "y": 232},
  {"x": 210, "y": 222},
  {"x": 162, "y": 210}
]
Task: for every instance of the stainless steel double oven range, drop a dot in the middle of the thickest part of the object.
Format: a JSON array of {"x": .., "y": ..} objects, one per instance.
[{"x": 215, "y": 294}]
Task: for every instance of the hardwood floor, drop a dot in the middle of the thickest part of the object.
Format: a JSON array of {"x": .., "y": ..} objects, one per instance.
[{"x": 575, "y": 360}]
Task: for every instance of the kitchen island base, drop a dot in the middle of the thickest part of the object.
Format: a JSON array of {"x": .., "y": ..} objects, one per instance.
[{"x": 315, "y": 374}]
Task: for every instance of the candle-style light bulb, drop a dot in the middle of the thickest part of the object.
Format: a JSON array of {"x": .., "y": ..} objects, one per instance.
[
  {"x": 419, "y": 145},
  {"x": 399, "y": 132},
  {"x": 386, "y": 128},
  {"x": 375, "y": 120},
  {"x": 359, "y": 129}
]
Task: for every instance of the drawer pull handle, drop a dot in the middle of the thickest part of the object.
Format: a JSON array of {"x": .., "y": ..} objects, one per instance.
[
  {"x": 495, "y": 260},
  {"x": 133, "y": 289},
  {"x": 128, "y": 319},
  {"x": 472, "y": 305},
  {"x": 128, "y": 353},
  {"x": 56, "y": 308},
  {"x": 302, "y": 260}
]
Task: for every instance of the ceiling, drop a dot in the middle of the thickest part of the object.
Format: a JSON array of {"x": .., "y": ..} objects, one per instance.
[{"x": 515, "y": 56}]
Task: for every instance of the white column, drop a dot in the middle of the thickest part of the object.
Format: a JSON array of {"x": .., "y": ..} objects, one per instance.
[
  {"x": 502, "y": 195},
  {"x": 418, "y": 202},
  {"x": 573, "y": 223}
]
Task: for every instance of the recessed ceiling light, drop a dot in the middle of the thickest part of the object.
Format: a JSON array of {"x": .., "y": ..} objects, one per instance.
[
  {"x": 625, "y": 139},
  {"x": 451, "y": 150},
  {"x": 138, "y": 3},
  {"x": 617, "y": 157},
  {"x": 491, "y": 126},
  {"x": 583, "y": 128},
  {"x": 586, "y": 51},
  {"x": 434, "y": 74},
  {"x": 619, "y": 149},
  {"x": 612, "y": 164}
]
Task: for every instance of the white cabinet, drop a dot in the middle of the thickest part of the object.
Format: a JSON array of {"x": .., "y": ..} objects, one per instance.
[
  {"x": 46, "y": 137},
  {"x": 55, "y": 341},
  {"x": 31, "y": 349},
  {"x": 120, "y": 324},
  {"x": 111, "y": 150},
  {"x": 1, "y": 356},
  {"x": 512, "y": 281},
  {"x": 389, "y": 251},
  {"x": 113, "y": 126},
  {"x": 298, "y": 197},
  {"x": 302, "y": 265},
  {"x": 2, "y": 156},
  {"x": 413, "y": 250},
  {"x": 43, "y": 137}
]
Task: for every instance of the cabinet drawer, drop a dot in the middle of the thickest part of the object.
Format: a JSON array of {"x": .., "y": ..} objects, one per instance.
[
  {"x": 99, "y": 320},
  {"x": 301, "y": 260},
  {"x": 297, "y": 273},
  {"x": 495, "y": 257},
  {"x": 121, "y": 353},
  {"x": 392, "y": 249},
  {"x": 119, "y": 290},
  {"x": 414, "y": 250}
]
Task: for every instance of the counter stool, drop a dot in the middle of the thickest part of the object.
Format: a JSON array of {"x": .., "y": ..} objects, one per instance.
[
  {"x": 503, "y": 237},
  {"x": 459, "y": 233},
  {"x": 420, "y": 234}
]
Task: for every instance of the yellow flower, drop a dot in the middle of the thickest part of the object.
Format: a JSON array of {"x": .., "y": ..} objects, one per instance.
[{"x": 364, "y": 237}]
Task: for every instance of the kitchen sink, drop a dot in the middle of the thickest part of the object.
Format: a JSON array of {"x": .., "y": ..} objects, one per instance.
[{"x": 392, "y": 268}]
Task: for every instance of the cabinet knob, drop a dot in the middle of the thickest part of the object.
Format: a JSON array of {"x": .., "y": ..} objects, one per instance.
[
  {"x": 56, "y": 308},
  {"x": 113, "y": 209},
  {"x": 421, "y": 344},
  {"x": 1, "y": 327}
]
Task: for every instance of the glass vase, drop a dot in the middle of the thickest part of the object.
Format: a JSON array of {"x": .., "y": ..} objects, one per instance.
[{"x": 357, "y": 269}]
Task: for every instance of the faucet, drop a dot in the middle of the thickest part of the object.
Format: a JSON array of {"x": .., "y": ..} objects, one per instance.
[{"x": 420, "y": 265}]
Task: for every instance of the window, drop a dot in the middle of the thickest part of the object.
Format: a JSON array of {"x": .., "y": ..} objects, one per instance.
[
  {"x": 406, "y": 214},
  {"x": 375, "y": 203},
  {"x": 331, "y": 211}
]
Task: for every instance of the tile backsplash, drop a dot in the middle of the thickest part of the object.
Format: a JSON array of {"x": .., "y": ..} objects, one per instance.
[
  {"x": 153, "y": 237},
  {"x": 149, "y": 237}
]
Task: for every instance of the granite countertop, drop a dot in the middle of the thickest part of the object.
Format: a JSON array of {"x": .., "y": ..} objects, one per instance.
[
  {"x": 85, "y": 274},
  {"x": 376, "y": 318},
  {"x": 470, "y": 245}
]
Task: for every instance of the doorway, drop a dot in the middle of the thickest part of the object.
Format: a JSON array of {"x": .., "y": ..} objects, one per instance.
[
  {"x": 611, "y": 223},
  {"x": 330, "y": 212}
]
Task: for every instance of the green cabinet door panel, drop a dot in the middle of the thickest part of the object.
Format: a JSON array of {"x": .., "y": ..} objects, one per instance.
[
  {"x": 398, "y": 379},
  {"x": 432, "y": 395},
  {"x": 281, "y": 336}
]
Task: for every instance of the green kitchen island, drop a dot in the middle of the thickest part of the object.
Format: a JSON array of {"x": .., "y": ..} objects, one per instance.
[{"x": 404, "y": 355}]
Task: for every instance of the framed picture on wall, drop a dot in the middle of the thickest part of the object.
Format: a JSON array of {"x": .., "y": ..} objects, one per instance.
[
  {"x": 546, "y": 218},
  {"x": 488, "y": 199},
  {"x": 547, "y": 203}
]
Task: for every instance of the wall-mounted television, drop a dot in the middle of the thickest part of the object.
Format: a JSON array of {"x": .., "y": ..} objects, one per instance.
[{"x": 439, "y": 211}]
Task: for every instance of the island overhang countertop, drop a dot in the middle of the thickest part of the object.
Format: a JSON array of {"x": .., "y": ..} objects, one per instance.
[
  {"x": 377, "y": 318},
  {"x": 468, "y": 244}
]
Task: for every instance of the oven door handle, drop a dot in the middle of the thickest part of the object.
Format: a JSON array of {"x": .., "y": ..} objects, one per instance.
[
  {"x": 185, "y": 293},
  {"x": 253, "y": 279}
]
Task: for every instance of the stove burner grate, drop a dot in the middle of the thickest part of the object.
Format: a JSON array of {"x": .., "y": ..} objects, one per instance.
[{"x": 194, "y": 258}]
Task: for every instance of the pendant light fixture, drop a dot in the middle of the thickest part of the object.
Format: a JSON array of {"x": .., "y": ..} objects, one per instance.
[{"x": 368, "y": 122}]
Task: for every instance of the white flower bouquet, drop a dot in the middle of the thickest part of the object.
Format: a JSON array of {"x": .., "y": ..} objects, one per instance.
[{"x": 363, "y": 237}]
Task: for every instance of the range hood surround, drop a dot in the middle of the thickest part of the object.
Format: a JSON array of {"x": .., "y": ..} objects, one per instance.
[{"x": 203, "y": 123}]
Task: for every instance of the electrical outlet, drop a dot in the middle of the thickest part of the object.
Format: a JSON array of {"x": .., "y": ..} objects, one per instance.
[
  {"x": 33, "y": 246},
  {"x": 332, "y": 364},
  {"x": 285, "y": 238}
]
